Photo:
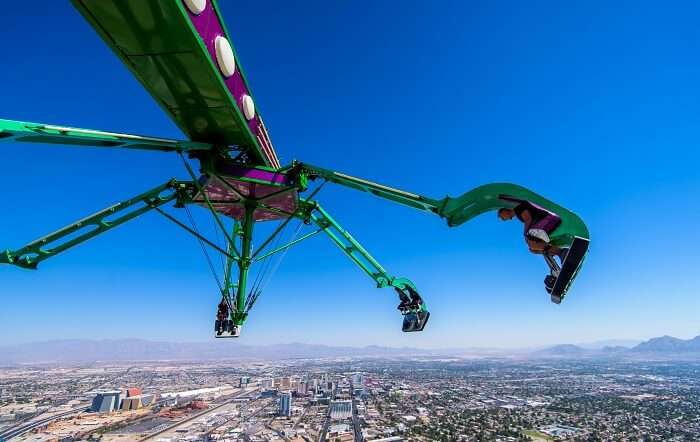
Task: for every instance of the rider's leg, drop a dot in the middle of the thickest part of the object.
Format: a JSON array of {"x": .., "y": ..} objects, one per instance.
[{"x": 536, "y": 245}]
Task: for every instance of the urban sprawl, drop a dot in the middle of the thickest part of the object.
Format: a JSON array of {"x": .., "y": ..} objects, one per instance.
[{"x": 343, "y": 400}]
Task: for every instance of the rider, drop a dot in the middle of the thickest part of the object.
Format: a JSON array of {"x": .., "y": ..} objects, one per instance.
[
  {"x": 539, "y": 224},
  {"x": 222, "y": 316}
]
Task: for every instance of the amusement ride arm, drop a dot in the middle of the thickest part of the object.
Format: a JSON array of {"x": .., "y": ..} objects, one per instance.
[
  {"x": 458, "y": 210},
  {"x": 80, "y": 231},
  {"x": 11, "y": 130}
]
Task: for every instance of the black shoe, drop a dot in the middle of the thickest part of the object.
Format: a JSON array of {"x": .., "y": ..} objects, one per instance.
[{"x": 549, "y": 282}]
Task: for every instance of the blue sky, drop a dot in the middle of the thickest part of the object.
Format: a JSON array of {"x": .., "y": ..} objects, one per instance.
[{"x": 595, "y": 105}]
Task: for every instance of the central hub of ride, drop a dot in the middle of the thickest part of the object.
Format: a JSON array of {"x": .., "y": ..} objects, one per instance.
[{"x": 232, "y": 188}]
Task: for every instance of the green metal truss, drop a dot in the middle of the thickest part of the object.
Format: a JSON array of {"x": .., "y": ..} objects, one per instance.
[
  {"x": 89, "y": 227},
  {"x": 312, "y": 210},
  {"x": 11, "y": 130}
]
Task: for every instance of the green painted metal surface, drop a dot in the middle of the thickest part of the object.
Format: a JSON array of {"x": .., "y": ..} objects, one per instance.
[
  {"x": 485, "y": 198},
  {"x": 312, "y": 211},
  {"x": 308, "y": 171},
  {"x": 89, "y": 227},
  {"x": 240, "y": 314},
  {"x": 458, "y": 210},
  {"x": 157, "y": 42},
  {"x": 26, "y": 132}
]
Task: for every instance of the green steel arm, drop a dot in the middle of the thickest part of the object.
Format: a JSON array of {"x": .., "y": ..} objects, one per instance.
[
  {"x": 240, "y": 312},
  {"x": 11, "y": 130},
  {"x": 171, "y": 51},
  {"x": 458, "y": 210},
  {"x": 399, "y": 196},
  {"x": 312, "y": 211},
  {"x": 50, "y": 245}
]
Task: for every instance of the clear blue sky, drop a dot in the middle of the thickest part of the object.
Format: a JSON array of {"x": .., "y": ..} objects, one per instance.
[{"x": 593, "y": 104}]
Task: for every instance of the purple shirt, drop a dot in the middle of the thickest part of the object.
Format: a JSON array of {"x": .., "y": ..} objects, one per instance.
[{"x": 541, "y": 217}]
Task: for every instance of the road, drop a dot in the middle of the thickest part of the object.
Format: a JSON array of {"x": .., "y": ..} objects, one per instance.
[
  {"x": 244, "y": 418},
  {"x": 356, "y": 427},
  {"x": 29, "y": 426},
  {"x": 237, "y": 395}
]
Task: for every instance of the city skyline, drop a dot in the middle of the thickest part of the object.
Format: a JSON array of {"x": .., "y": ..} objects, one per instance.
[
  {"x": 586, "y": 104},
  {"x": 353, "y": 400}
]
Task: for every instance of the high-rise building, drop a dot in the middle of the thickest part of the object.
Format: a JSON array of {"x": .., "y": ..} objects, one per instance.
[
  {"x": 266, "y": 384},
  {"x": 358, "y": 384},
  {"x": 244, "y": 381},
  {"x": 358, "y": 380},
  {"x": 106, "y": 401},
  {"x": 283, "y": 383},
  {"x": 302, "y": 388},
  {"x": 285, "y": 408},
  {"x": 341, "y": 409}
]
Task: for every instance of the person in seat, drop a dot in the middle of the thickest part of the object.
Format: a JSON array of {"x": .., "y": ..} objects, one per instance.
[
  {"x": 538, "y": 223},
  {"x": 221, "y": 316}
]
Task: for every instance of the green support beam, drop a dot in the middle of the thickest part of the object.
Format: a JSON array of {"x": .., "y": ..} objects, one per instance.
[
  {"x": 22, "y": 131},
  {"x": 228, "y": 285},
  {"x": 396, "y": 195},
  {"x": 458, "y": 210},
  {"x": 239, "y": 314},
  {"x": 78, "y": 232},
  {"x": 312, "y": 211}
]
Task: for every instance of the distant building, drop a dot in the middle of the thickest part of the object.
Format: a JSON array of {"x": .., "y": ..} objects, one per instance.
[
  {"x": 266, "y": 384},
  {"x": 329, "y": 388},
  {"x": 559, "y": 430},
  {"x": 283, "y": 383},
  {"x": 137, "y": 402},
  {"x": 8, "y": 417},
  {"x": 106, "y": 402},
  {"x": 302, "y": 388},
  {"x": 244, "y": 381},
  {"x": 341, "y": 409},
  {"x": 131, "y": 403},
  {"x": 340, "y": 431},
  {"x": 285, "y": 407},
  {"x": 198, "y": 404},
  {"x": 147, "y": 399}
]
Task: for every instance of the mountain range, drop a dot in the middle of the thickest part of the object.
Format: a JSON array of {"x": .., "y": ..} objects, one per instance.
[
  {"x": 83, "y": 350},
  {"x": 664, "y": 346}
]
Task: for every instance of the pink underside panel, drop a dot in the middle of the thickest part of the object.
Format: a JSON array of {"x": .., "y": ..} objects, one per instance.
[{"x": 227, "y": 202}]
